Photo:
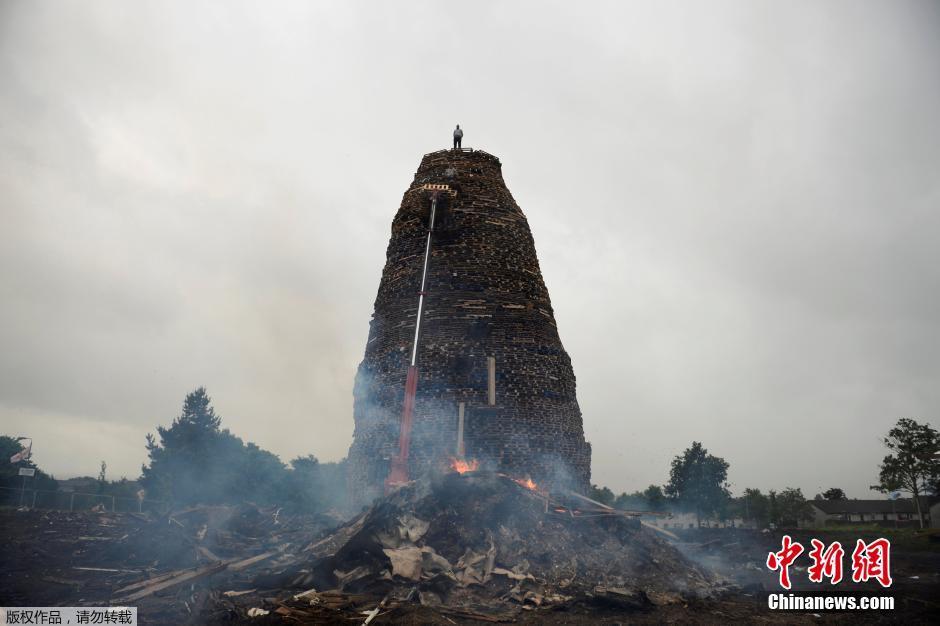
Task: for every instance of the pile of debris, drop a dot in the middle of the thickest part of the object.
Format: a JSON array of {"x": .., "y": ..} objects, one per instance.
[
  {"x": 162, "y": 564},
  {"x": 474, "y": 546},
  {"x": 478, "y": 545}
]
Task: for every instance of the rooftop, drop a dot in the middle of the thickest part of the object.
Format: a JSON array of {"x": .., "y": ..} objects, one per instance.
[{"x": 901, "y": 505}]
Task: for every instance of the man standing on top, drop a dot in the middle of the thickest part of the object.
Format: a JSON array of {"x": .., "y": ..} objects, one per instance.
[{"x": 458, "y": 135}]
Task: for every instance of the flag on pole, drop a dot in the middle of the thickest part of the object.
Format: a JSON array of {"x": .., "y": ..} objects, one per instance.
[{"x": 24, "y": 453}]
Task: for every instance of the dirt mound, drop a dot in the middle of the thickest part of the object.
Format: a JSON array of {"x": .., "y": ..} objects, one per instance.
[{"x": 484, "y": 544}]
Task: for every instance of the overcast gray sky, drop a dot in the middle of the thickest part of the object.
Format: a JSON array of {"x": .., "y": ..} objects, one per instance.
[{"x": 735, "y": 206}]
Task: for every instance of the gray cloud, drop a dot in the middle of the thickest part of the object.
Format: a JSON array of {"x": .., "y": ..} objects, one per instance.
[{"x": 734, "y": 207}]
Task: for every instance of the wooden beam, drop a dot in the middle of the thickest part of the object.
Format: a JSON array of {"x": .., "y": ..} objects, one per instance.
[
  {"x": 175, "y": 580},
  {"x": 660, "y": 530},
  {"x": 460, "y": 417},
  {"x": 491, "y": 378}
]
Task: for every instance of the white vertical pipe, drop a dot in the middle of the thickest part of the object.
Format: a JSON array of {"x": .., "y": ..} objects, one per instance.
[
  {"x": 460, "y": 414},
  {"x": 424, "y": 277},
  {"x": 491, "y": 371}
]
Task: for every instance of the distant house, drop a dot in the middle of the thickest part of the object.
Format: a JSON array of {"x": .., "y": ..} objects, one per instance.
[
  {"x": 679, "y": 521},
  {"x": 85, "y": 484},
  {"x": 882, "y": 512}
]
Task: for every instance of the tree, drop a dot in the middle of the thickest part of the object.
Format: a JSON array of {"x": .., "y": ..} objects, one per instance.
[
  {"x": 791, "y": 507},
  {"x": 753, "y": 505},
  {"x": 655, "y": 498},
  {"x": 698, "y": 481},
  {"x": 630, "y": 501},
  {"x": 602, "y": 494},
  {"x": 181, "y": 459},
  {"x": 257, "y": 475},
  {"x": 913, "y": 465},
  {"x": 195, "y": 460},
  {"x": 332, "y": 484},
  {"x": 833, "y": 494},
  {"x": 9, "y": 472},
  {"x": 650, "y": 499},
  {"x": 302, "y": 487}
]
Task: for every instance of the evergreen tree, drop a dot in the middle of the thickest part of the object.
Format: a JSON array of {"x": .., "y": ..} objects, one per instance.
[
  {"x": 195, "y": 460},
  {"x": 184, "y": 461}
]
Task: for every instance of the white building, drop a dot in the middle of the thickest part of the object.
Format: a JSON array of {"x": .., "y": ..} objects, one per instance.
[
  {"x": 883, "y": 512},
  {"x": 678, "y": 521}
]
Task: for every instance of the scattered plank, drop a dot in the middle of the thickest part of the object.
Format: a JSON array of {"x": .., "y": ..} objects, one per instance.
[
  {"x": 186, "y": 576},
  {"x": 240, "y": 565},
  {"x": 371, "y": 615},
  {"x": 660, "y": 530},
  {"x": 235, "y": 594},
  {"x": 62, "y": 581},
  {"x": 148, "y": 581},
  {"x": 467, "y": 614},
  {"x": 109, "y": 570},
  {"x": 577, "y": 495},
  {"x": 208, "y": 554}
]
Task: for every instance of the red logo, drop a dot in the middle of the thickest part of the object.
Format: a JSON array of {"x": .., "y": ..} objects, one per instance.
[
  {"x": 783, "y": 559},
  {"x": 826, "y": 563},
  {"x": 869, "y": 561},
  {"x": 872, "y": 560}
]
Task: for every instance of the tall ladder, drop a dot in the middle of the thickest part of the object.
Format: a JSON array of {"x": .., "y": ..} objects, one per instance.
[{"x": 398, "y": 475}]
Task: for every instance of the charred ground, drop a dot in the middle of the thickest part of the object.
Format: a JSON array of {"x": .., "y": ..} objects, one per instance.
[{"x": 475, "y": 548}]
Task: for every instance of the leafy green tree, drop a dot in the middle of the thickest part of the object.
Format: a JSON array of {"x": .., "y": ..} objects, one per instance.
[
  {"x": 302, "y": 485},
  {"x": 833, "y": 494},
  {"x": 122, "y": 488},
  {"x": 752, "y": 506},
  {"x": 655, "y": 498},
  {"x": 698, "y": 482},
  {"x": 603, "y": 495},
  {"x": 332, "y": 483},
  {"x": 257, "y": 475},
  {"x": 650, "y": 499},
  {"x": 630, "y": 501},
  {"x": 791, "y": 507},
  {"x": 310, "y": 486},
  {"x": 913, "y": 465}
]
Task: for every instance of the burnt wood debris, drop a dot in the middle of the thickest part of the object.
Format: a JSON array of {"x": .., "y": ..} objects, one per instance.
[{"x": 488, "y": 348}]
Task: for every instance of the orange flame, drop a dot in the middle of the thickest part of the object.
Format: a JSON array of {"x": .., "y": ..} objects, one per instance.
[
  {"x": 527, "y": 482},
  {"x": 462, "y": 467}
]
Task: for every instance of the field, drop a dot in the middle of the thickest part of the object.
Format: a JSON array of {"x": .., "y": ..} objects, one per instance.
[{"x": 53, "y": 558}]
